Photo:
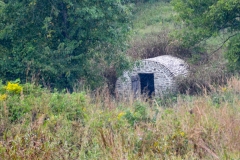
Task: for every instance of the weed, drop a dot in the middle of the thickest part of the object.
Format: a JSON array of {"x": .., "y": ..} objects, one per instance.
[{"x": 82, "y": 125}]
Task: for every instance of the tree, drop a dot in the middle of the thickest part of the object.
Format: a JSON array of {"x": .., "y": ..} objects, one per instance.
[
  {"x": 56, "y": 42},
  {"x": 207, "y": 18}
]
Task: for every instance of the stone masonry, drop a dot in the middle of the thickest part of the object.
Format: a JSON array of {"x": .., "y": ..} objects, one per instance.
[{"x": 165, "y": 70}]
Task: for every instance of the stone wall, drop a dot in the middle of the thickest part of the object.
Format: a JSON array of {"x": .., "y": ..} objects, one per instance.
[{"x": 164, "y": 78}]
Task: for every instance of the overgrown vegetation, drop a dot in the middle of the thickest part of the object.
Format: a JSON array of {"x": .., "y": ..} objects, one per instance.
[
  {"x": 37, "y": 124},
  {"x": 207, "y": 63},
  {"x": 210, "y": 18},
  {"x": 44, "y": 46},
  {"x": 59, "y": 43}
]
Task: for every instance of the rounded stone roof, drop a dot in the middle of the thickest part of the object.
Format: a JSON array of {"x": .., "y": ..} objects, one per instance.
[{"x": 175, "y": 65}]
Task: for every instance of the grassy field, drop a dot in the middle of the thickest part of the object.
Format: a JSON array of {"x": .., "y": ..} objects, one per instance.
[
  {"x": 153, "y": 18},
  {"x": 37, "y": 124}
]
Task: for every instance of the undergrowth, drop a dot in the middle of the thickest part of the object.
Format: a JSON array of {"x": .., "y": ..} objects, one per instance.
[
  {"x": 207, "y": 65},
  {"x": 38, "y": 124}
]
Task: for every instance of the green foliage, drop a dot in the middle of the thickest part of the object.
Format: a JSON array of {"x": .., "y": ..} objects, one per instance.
[
  {"x": 224, "y": 95},
  {"x": 139, "y": 114},
  {"x": 72, "y": 105},
  {"x": 10, "y": 93},
  {"x": 146, "y": 1},
  {"x": 17, "y": 110},
  {"x": 209, "y": 18},
  {"x": 233, "y": 53},
  {"x": 56, "y": 43},
  {"x": 174, "y": 143},
  {"x": 39, "y": 124},
  {"x": 167, "y": 100},
  {"x": 153, "y": 17}
]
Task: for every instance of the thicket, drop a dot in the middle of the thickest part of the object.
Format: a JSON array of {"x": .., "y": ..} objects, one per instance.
[
  {"x": 205, "y": 19},
  {"x": 60, "y": 43},
  {"x": 146, "y": 1}
]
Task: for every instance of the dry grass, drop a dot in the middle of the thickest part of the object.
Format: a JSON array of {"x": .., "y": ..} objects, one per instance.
[
  {"x": 156, "y": 44},
  {"x": 194, "y": 128}
]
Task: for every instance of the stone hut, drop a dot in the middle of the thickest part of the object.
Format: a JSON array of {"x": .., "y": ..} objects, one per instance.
[{"x": 152, "y": 76}]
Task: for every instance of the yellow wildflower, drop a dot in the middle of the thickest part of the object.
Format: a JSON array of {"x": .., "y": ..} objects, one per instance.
[
  {"x": 13, "y": 87},
  {"x": 156, "y": 144},
  {"x": 3, "y": 97},
  {"x": 120, "y": 115},
  {"x": 224, "y": 89},
  {"x": 182, "y": 134}
]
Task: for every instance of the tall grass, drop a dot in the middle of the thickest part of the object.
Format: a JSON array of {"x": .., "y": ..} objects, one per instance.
[
  {"x": 86, "y": 126},
  {"x": 153, "y": 18}
]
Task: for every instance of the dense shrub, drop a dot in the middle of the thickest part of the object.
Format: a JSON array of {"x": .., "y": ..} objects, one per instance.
[{"x": 66, "y": 43}]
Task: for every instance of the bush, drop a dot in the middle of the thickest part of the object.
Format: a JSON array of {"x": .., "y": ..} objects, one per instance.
[
  {"x": 11, "y": 96},
  {"x": 139, "y": 114},
  {"x": 205, "y": 74},
  {"x": 72, "y": 106}
]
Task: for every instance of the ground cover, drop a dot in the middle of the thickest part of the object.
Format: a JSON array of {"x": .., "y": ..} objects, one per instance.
[{"x": 37, "y": 124}]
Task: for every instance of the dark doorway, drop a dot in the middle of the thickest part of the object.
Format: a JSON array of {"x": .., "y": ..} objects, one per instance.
[{"x": 147, "y": 83}]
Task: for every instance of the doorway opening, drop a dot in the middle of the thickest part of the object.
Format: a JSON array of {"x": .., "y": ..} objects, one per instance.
[{"x": 147, "y": 83}]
